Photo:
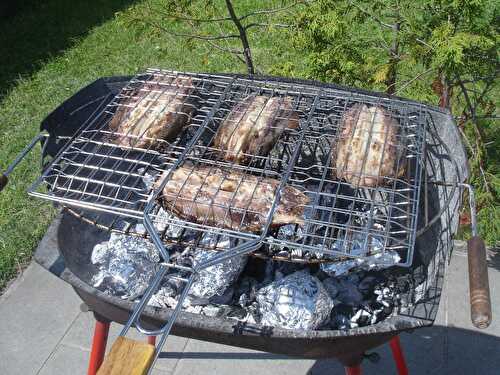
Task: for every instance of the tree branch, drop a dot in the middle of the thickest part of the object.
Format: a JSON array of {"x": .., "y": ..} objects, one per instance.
[
  {"x": 482, "y": 78},
  {"x": 243, "y": 37},
  {"x": 372, "y": 16},
  {"x": 266, "y": 25},
  {"x": 475, "y": 155},
  {"x": 481, "y": 96},
  {"x": 472, "y": 110},
  {"x": 195, "y": 36},
  {"x": 275, "y": 10},
  {"x": 407, "y": 83},
  {"x": 216, "y": 46},
  {"x": 225, "y": 49},
  {"x": 200, "y": 20}
]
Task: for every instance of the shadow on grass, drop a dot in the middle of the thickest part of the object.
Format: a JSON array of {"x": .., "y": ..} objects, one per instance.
[{"x": 33, "y": 31}]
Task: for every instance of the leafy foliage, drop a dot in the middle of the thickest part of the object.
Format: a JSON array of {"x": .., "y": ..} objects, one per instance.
[{"x": 438, "y": 51}]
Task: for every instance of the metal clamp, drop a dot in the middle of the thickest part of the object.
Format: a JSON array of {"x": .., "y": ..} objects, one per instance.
[{"x": 164, "y": 332}]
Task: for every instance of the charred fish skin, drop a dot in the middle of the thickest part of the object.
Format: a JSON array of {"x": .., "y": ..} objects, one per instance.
[
  {"x": 231, "y": 200},
  {"x": 253, "y": 127},
  {"x": 368, "y": 152},
  {"x": 158, "y": 110}
]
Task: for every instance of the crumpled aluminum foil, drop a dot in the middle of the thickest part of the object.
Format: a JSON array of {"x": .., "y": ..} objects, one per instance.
[
  {"x": 161, "y": 223},
  {"x": 165, "y": 297},
  {"x": 213, "y": 284},
  {"x": 355, "y": 244},
  {"x": 214, "y": 281},
  {"x": 372, "y": 262},
  {"x": 126, "y": 265},
  {"x": 297, "y": 301}
]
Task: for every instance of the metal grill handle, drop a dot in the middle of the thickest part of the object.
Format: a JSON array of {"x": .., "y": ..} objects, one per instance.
[
  {"x": 480, "y": 303},
  {"x": 4, "y": 177},
  {"x": 479, "y": 288}
]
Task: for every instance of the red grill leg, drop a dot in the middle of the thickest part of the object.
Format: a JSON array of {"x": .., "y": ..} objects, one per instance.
[
  {"x": 98, "y": 345},
  {"x": 354, "y": 370},
  {"x": 152, "y": 340},
  {"x": 399, "y": 358}
]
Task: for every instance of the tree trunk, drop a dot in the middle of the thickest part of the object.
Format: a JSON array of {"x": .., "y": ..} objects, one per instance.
[
  {"x": 445, "y": 98},
  {"x": 391, "y": 78},
  {"x": 243, "y": 37},
  {"x": 443, "y": 90}
]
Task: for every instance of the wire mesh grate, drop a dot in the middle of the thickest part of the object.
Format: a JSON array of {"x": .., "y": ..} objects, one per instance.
[
  {"x": 246, "y": 158},
  {"x": 348, "y": 218},
  {"x": 336, "y": 217}
]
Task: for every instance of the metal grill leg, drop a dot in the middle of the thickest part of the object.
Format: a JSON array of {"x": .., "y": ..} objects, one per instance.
[
  {"x": 352, "y": 363},
  {"x": 99, "y": 341},
  {"x": 354, "y": 370},
  {"x": 152, "y": 340},
  {"x": 399, "y": 358}
]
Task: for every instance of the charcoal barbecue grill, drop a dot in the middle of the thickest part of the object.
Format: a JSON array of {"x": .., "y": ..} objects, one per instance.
[{"x": 98, "y": 182}]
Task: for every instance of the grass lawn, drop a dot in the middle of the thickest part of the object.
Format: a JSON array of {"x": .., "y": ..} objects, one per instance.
[{"x": 51, "y": 50}]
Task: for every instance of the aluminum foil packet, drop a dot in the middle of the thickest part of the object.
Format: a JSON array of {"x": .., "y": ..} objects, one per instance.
[
  {"x": 213, "y": 282},
  {"x": 297, "y": 301},
  {"x": 126, "y": 265},
  {"x": 374, "y": 262}
]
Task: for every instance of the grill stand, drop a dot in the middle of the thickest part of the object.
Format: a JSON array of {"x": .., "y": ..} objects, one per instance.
[
  {"x": 352, "y": 364},
  {"x": 99, "y": 341}
]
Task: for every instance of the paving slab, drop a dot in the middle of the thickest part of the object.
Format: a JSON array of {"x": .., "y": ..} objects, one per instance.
[
  {"x": 35, "y": 312},
  {"x": 66, "y": 360},
  {"x": 201, "y": 357},
  {"x": 456, "y": 307}
]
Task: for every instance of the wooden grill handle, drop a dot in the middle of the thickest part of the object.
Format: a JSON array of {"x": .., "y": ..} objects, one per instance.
[
  {"x": 480, "y": 303},
  {"x": 128, "y": 357}
]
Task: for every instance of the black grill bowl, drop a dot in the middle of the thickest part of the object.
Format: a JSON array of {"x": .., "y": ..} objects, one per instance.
[{"x": 66, "y": 248}]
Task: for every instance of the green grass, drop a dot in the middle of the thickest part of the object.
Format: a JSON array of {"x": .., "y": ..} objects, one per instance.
[{"x": 49, "y": 51}]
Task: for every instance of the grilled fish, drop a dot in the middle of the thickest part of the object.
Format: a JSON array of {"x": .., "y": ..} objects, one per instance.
[
  {"x": 231, "y": 200},
  {"x": 253, "y": 126},
  {"x": 369, "y": 151},
  {"x": 158, "y": 110}
]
